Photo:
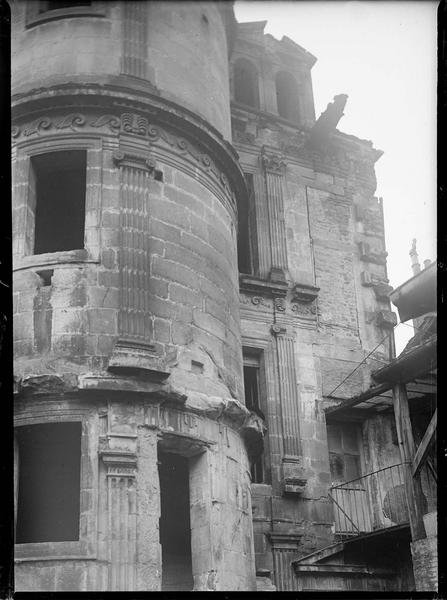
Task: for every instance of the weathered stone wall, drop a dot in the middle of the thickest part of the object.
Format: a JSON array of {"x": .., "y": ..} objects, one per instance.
[
  {"x": 120, "y": 506},
  {"x": 425, "y": 564},
  {"x": 315, "y": 211},
  {"x": 148, "y": 310},
  {"x": 175, "y": 50},
  {"x": 190, "y": 277}
]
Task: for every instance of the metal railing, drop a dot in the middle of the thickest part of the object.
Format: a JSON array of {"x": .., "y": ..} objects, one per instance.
[{"x": 374, "y": 501}]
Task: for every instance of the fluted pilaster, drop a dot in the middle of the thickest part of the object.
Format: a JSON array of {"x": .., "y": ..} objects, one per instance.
[
  {"x": 135, "y": 180},
  {"x": 133, "y": 60}
]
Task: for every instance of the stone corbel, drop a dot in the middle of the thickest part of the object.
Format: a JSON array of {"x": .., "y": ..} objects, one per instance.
[
  {"x": 369, "y": 255},
  {"x": 382, "y": 291},
  {"x": 304, "y": 293},
  {"x": 386, "y": 319},
  {"x": 380, "y": 286}
]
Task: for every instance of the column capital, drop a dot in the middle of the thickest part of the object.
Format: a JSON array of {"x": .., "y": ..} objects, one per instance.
[
  {"x": 274, "y": 163},
  {"x": 278, "y": 329},
  {"x": 122, "y": 158}
]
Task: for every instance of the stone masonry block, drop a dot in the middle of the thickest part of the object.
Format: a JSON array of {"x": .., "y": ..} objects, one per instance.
[
  {"x": 168, "y": 233},
  {"x": 171, "y": 213},
  {"x": 173, "y": 271}
]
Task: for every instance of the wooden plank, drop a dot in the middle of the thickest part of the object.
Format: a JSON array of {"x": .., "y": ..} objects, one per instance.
[
  {"x": 371, "y": 393},
  {"x": 425, "y": 445},
  {"x": 413, "y": 491}
]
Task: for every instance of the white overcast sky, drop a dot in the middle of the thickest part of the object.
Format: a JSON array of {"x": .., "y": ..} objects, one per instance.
[{"x": 383, "y": 54}]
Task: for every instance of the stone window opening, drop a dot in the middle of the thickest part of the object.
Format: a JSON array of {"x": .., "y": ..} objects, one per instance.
[
  {"x": 42, "y": 11},
  {"x": 287, "y": 97},
  {"x": 246, "y": 240},
  {"x": 47, "y": 468},
  {"x": 175, "y": 522},
  {"x": 57, "y": 189},
  {"x": 46, "y": 5},
  {"x": 253, "y": 386},
  {"x": 246, "y": 83}
]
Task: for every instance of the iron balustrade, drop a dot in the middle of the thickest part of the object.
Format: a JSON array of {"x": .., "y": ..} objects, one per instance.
[{"x": 371, "y": 502}]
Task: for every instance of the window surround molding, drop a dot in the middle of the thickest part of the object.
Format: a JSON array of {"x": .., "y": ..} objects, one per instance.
[
  {"x": 22, "y": 245},
  {"x": 34, "y": 17},
  {"x": 85, "y": 547}
]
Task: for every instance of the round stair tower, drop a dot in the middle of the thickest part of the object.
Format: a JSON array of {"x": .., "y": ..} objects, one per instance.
[{"x": 128, "y": 360}]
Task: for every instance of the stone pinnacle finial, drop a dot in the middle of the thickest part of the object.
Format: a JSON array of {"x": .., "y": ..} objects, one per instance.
[{"x": 416, "y": 267}]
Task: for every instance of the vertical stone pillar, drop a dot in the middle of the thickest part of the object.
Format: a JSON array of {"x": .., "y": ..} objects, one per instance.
[
  {"x": 122, "y": 516},
  {"x": 133, "y": 61},
  {"x": 262, "y": 226},
  {"x": 273, "y": 171},
  {"x": 148, "y": 548},
  {"x": 134, "y": 324},
  {"x": 293, "y": 478}
]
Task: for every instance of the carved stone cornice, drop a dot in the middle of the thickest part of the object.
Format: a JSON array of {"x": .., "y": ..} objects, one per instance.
[
  {"x": 262, "y": 287},
  {"x": 131, "y": 112},
  {"x": 119, "y": 463}
]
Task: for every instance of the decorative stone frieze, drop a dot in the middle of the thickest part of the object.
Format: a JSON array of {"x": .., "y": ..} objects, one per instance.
[
  {"x": 280, "y": 304},
  {"x": 305, "y": 310},
  {"x": 144, "y": 116}
]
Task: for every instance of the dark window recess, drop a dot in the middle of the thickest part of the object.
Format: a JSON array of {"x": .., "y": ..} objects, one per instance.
[
  {"x": 246, "y": 87},
  {"x": 60, "y": 182},
  {"x": 287, "y": 97},
  {"x": 175, "y": 527},
  {"x": 246, "y": 231},
  {"x": 252, "y": 402},
  {"x": 344, "y": 453},
  {"x": 46, "y": 276},
  {"x": 49, "y": 482},
  {"x": 56, "y": 4}
]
